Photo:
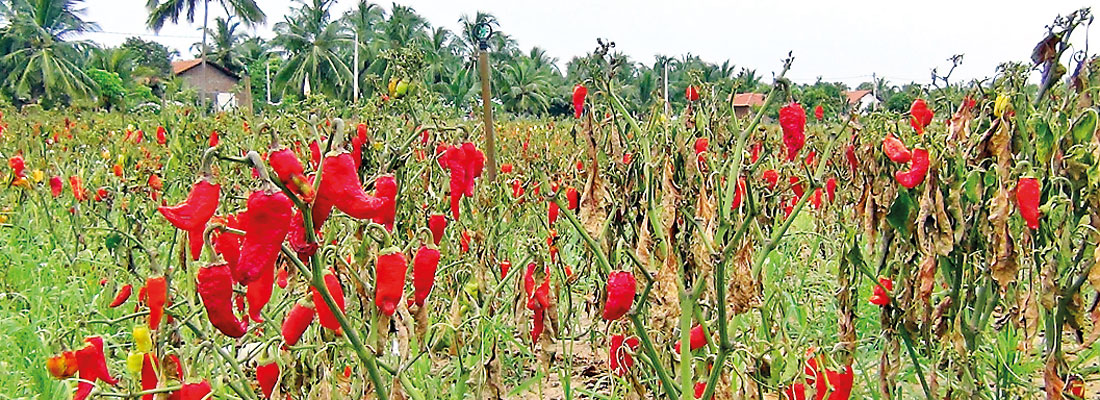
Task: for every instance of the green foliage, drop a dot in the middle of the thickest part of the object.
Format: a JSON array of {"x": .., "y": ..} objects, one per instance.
[
  {"x": 151, "y": 54},
  {"x": 109, "y": 86}
]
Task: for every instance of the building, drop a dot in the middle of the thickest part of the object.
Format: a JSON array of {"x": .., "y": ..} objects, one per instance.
[
  {"x": 861, "y": 100},
  {"x": 210, "y": 80},
  {"x": 744, "y": 103}
]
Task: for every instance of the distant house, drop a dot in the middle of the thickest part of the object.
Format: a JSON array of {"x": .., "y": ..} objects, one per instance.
[
  {"x": 212, "y": 81},
  {"x": 743, "y": 103},
  {"x": 861, "y": 100}
]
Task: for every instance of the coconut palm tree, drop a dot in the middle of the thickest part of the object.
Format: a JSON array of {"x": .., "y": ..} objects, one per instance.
[
  {"x": 311, "y": 41},
  {"x": 525, "y": 88},
  {"x": 35, "y": 56},
  {"x": 170, "y": 10},
  {"x": 224, "y": 49}
]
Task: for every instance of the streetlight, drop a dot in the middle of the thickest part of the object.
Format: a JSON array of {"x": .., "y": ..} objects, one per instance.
[{"x": 482, "y": 32}]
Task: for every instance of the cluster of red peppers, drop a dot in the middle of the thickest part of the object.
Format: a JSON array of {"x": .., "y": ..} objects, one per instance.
[
  {"x": 827, "y": 384},
  {"x": 538, "y": 299},
  {"x": 792, "y": 120},
  {"x": 918, "y": 160},
  {"x": 465, "y": 164}
]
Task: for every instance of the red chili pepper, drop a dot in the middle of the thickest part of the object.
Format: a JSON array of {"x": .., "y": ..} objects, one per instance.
[
  {"x": 78, "y": 188},
  {"x": 215, "y": 286},
  {"x": 424, "y": 136},
  {"x": 697, "y": 340},
  {"x": 838, "y": 385},
  {"x": 792, "y": 118},
  {"x": 506, "y": 168},
  {"x": 810, "y": 157},
  {"x": 918, "y": 168},
  {"x": 627, "y": 157},
  {"x": 291, "y": 173},
  {"x": 281, "y": 278},
  {"x": 895, "y": 149},
  {"x": 267, "y": 375},
  {"x": 580, "y": 165},
  {"x": 197, "y": 209},
  {"x": 819, "y": 112},
  {"x": 464, "y": 241},
  {"x": 389, "y": 279},
  {"x": 850, "y": 154},
  {"x": 796, "y": 187},
  {"x": 504, "y": 267},
  {"x": 830, "y": 189},
  {"x": 340, "y": 186},
  {"x": 701, "y": 387},
  {"x": 738, "y": 193},
  {"x": 579, "y": 93},
  {"x": 425, "y": 263},
  {"x": 148, "y": 375},
  {"x": 552, "y": 212},
  {"x": 62, "y": 366},
  {"x": 755, "y": 154},
  {"x": 880, "y": 296},
  {"x": 620, "y": 357},
  {"x": 162, "y": 137},
  {"x": 122, "y": 296},
  {"x": 437, "y": 223},
  {"x": 92, "y": 367},
  {"x": 154, "y": 183},
  {"x": 517, "y": 190},
  {"x": 919, "y": 115},
  {"x": 229, "y": 244},
  {"x": 356, "y": 152},
  {"x": 214, "y": 138},
  {"x": 1027, "y": 200},
  {"x": 465, "y": 164},
  {"x": 385, "y": 188},
  {"x": 17, "y": 165},
  {"x": 192, "y": 391},
  {"x": 267, "y": 221},
  {"x": 538, "y": 323},
  {"x": 117, "y": 170},
  {"x": 297, "y": 320},
  {"x": 772, "y": 177},
  {"x": 537, "y": 297},
  {"x": 325, "y": 314},
  {"x": 157, "y": 295},
  {"x": 815, "y": 199},
  {"x": 56, "y": 186},
  {"x": 701, "y": 145},
  {"x": 691, "y": 93},
  {"x": 574, "y": 198},
  {"x": 621, "y": 288}
]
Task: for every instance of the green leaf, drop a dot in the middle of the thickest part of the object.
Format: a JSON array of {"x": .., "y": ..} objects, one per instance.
[
  {"x": 972, "y": 188},
  {"x": 112, "y": 241},
  {"x": 899, "y": 212},
  {"x": 1044, "y": 139},
  {"x": 1083, "y": 130}
]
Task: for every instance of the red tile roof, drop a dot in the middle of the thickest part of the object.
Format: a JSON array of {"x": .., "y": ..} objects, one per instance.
[
  {"x": 748, "y": 99},
  {"x": 179, "y": 67},
  {"x": 855, "y": 95}
]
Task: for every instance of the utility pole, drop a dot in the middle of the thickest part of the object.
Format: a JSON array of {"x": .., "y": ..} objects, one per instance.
[
  {"x": 267, "y": 75},
  {"x": 666, "y": 87},
  {"x": 355, "y": 75},
  {"x": 205, "y": 78},
  {"x": 483, "y": 31}
]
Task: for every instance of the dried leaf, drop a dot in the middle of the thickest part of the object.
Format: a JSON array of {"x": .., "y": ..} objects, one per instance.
[
  {"x": 1004, "y": 266},
  {"x": 1052, "y": 380},
  {"x": 742, "y": 294},
  {"x": 1094, "y": 272},
  {"x": 927, "y": 276}
]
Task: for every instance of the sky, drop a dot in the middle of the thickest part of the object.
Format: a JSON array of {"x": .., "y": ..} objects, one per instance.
[{"x": 836, "y": 41}]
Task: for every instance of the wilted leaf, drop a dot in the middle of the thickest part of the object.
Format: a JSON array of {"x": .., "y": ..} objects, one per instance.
[
  {"x": 1046, "y": 49},
  {"x": 1044, "y": 138},
  {"x": 1085, "y": 127},
  {"x": 1052, "y": 380},
  {"x": 742, "y": 289},
  {"x": 1004, "y": 261},
  {"x": 927, "y": 276}
]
